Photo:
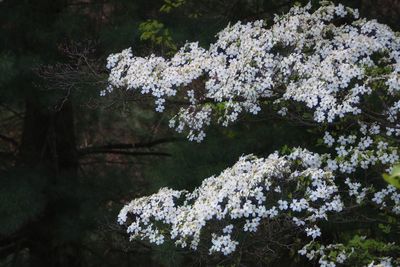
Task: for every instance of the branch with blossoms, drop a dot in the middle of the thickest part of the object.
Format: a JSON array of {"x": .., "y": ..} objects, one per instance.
[{"x": 324, "y": 67}]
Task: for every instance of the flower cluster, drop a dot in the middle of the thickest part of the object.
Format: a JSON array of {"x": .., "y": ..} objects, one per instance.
[
  {"x": 247, "y": 194},
  {"x": 345, "y": 75},
  {"x": 303, "y": 57},
  {"x": 322, "y": 253},
  {"x": 364, "y": 148},
  {"x": 332, "y": 254}
]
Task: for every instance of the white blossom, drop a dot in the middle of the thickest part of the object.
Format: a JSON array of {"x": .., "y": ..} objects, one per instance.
[{"x": 304, "y": 59}]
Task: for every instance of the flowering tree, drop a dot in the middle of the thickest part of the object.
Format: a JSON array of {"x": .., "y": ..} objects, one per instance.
[{"x": 324, "y": 67}]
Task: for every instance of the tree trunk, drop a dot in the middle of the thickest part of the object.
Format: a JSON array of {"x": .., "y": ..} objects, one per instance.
[{"x": 48, "y": 149}]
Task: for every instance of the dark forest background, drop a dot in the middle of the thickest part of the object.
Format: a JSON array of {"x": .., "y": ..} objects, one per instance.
[{"x": 70, "y": 159}]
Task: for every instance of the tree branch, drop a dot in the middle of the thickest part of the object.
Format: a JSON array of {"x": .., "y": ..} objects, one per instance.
[
  {"x": 9, "y": 140},
  {"x": 133, "y": 145},
  {"x": 118, "y": 152}
]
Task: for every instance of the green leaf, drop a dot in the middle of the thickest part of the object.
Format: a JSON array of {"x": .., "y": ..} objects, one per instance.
[
  {"x": 396, "y": 171},
  {"x": 395, "y": 181},
  {"x": 394, "y": 177}
]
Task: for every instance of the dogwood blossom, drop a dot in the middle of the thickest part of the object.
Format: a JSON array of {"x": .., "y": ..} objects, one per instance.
[
  {"x": 303, "y": 57},
  {"x": 243, "y": 194},
  {"x": 307, "y": 61}
]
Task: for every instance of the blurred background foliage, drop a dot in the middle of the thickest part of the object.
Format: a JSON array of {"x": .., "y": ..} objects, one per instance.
[{"x": 70, "y": 159}]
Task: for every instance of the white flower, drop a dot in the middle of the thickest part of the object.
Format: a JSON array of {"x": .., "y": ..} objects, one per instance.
[
  {"x": 228, "y": 229},
  {"x": 328, "y": 139},
  {"x": 283, "y": 204},
  {"x": 223, "y": 244},
  {"x": 313, "y": 232}
]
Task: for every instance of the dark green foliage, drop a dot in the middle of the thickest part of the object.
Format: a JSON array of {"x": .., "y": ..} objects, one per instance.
[{"x": 21, "y": 199}]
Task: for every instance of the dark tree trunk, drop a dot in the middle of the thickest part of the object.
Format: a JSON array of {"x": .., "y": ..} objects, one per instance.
[
  {"x": 48, "y": 139},
  {"x": 48, "y": 149}
]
